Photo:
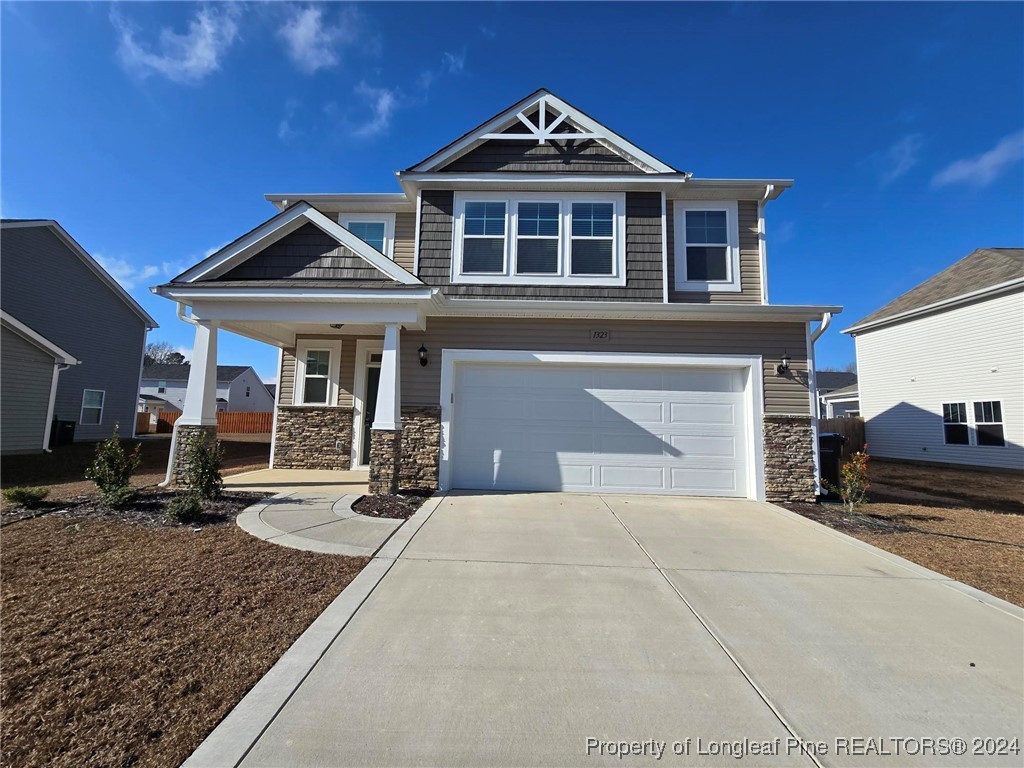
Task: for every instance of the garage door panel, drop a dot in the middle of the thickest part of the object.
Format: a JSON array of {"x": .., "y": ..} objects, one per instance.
[{"x": 594, "y": 428}]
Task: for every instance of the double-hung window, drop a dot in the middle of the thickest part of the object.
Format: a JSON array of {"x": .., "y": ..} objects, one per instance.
[
  {"x": 706, "y": 253},
  {"x": 92, "y": 406},
  {"x": 954, "y": 424},
  {"x": 988, "y": 423},
  {"x": 316, "y": 382},
  {"x": 533, "y": 238},
  {"x": 376, "y": 230}
]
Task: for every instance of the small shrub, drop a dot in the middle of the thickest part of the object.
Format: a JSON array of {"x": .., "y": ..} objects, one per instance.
[
  {"x": 185, "y": 508},
  {"x": 25, "y": 497},
  {"x": 112, "y": 470},
  {"x": 853, "y": 481},
  {"x": 119, "y": 498},
  {"x": 202, "y": 473}
]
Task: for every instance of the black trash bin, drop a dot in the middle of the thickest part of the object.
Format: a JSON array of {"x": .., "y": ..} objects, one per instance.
[
  {"x": 830, "y": 454},
  {"x": 63, "y": 433}
]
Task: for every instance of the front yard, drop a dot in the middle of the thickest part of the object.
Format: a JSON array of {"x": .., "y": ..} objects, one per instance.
[{"x": 965, "y": 524}]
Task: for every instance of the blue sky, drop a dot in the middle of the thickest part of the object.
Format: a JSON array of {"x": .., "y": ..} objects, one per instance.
[{"x": 151, "y": 131}]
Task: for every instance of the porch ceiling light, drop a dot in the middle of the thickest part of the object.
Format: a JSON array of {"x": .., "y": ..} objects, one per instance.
[
  {"x": 337, "y": 326},
  {"x": 423, "y": 355},
  {"x": 783, "y": 367}
]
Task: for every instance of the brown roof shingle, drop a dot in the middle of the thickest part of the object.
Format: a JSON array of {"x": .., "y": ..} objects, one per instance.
[{"x": 980, "y": 269}]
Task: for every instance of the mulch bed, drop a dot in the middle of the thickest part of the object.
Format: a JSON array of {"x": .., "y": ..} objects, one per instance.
[
  {"x": 398, "y": 507},
  {"x": 127, "y": 638}
]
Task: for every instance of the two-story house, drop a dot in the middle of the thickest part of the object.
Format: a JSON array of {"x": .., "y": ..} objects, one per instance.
[
  {"x": 73, "y": 340},
  {"x": 544, "y": 306},
  {"x": 239, "y": 388}
]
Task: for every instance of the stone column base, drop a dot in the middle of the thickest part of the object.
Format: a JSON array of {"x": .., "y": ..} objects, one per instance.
[
  {"x": 182, "y": 434},
  {"x": 789, "y": 459},
  {"x": 385, "y": 460}
]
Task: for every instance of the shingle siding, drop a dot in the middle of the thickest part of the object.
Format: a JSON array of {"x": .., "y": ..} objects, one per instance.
[
  {"x": 643, "y": 256},
  {"x": 50, "y": 289},
  {"x": 526, "y": 156},
  {"x": 405, "y": 240},
  {"x": 25, "y": 376}
]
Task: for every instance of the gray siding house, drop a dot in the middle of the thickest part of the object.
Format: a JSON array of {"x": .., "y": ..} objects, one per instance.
[
  {"x": 49, "y": 284},
  {"x": 543, "y": 306},
  {"x": 239, "y": 387}
]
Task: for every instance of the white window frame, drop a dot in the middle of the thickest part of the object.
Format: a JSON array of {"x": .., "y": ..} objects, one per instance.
[
  {"x": 732, "y": 254},
  {"x": 103, "y": 404},
  {"x": 971, "y": 423},
  {"x": 565, "y": 200},
  {"x": 333, "y": 371},
  {"x": 559, "y": 239},
  {"x": 972, "y": 416},
  {"x": 387, "y": 219}
]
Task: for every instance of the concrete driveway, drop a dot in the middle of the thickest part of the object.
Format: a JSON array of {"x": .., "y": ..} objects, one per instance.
[{"x": 545, "y": 629}]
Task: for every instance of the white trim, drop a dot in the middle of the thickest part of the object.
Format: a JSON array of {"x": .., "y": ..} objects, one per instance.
[
  {"x": 365, "y": 296},
  {"x": 395, "y": 202},
  {"x": 90, "y": 262},
  {"x": 277, "y": 401},
  {"x": 815, "y": 405},
  {"x": 416, "y": 240},
  {"x": 347, "y": 218},
  {"x": 364, "y": 348},
  {"x": 37, "y": 339},
  {"x": 283, "y": 224},
  {"x": 972, "y": 423},
  {"x": 990, "y": 291},
  {"x": 754, "y": 366},
  {"x": 103, "y": 405},
  {"x": 302, "y": 347},
  {"x": 762, "y": 251},
  {"x": 388, "y": 413},
  {"x": 664, "y": 248},
  {"x": 732, "y": 255},
  {"x": 563, "y": 277},
  {"x": 544, "y": 98},
  {"x": 50, "y": 406}
]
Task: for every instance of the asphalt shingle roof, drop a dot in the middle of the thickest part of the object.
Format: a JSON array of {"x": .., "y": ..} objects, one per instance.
[
  {"x": 171, "y": 372},
  {"x": 834, "y": 379},
  {"x": 983, "y": 268}
]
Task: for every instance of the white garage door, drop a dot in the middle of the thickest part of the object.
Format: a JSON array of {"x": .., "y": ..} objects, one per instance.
[{"x": 626, "y": 429}]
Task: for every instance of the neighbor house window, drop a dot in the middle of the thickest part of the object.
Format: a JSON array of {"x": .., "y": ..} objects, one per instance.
[
  {"x": 377, "y": 230},
  {"x": 592, "y": 238},
  {"x": 706, "y": 255},
  {"x": 161, "y": 387},
  {"x": 954, "y": 424},
  {"x": 988, "y": 423},
  {"x": 316, "y": 381},
  {"x": 92, "y": 406},
  {"x": 247, "y": 391},
  {"x": 534, "y": 238}
]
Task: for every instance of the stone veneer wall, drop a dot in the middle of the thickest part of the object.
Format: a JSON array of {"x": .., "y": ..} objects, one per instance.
[
  {"x": 385, "y": 460},
  {"x": 182, "y": 434},
  {"x": 789, "y": 458},
  {"x": 313, "y": 437},
  {"x": 421, "y": 448}
]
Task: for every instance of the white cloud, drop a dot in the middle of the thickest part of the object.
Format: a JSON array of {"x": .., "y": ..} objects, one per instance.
[
  {"x": 784, "y": 231},
  {"x": 383, "y": 102},
  {"x": 451, "y": 64},
  {"x": 313, "y": 43},
  {"x": 181, "y": 58},
  {"x": 285, "y": 131},
  {"x": 899, "y": 158},
  {"x": 981, "y": 170},
  {"x": 126, "y": 274}
]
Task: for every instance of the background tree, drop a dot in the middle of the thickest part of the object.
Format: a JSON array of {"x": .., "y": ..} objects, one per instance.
[{"x": 163, "y": 352}]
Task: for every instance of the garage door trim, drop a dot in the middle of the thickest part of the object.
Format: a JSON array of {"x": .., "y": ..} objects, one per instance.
[{"x": 750, "y": 366}]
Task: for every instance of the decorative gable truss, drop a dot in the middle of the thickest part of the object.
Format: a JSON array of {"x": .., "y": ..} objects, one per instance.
[
  {"x": 299, "y": 243},
  {"x": 545, "y": 119}
]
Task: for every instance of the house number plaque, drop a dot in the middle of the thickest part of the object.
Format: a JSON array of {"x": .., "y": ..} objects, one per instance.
[{"x": 599, "y": 335}]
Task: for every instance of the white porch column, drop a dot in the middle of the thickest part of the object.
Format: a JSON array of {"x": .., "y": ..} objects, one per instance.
[
  {"x": 389, "y": 392},
  {"x": 200, "y": 406}
]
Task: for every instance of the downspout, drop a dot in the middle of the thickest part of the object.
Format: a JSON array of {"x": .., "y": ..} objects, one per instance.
[
  {"x": 57, "y": 368},
  {"x": 762, "y": 247},
  {"x": 180, "y": 311},
  {"x": 812, "y": 388}
]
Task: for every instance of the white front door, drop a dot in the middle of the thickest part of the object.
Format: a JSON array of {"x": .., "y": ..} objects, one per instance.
[{"x": 609, "y": 428}]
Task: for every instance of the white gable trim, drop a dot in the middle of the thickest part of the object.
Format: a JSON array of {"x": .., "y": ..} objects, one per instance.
[
  {"x": 589, "y": 128},
  {"x": 37, "y": 339},
  {"x": 290, "y": 220}
]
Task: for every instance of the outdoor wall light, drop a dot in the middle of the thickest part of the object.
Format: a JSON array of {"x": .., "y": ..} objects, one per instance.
[
  {"x": 423, "y": 355},
  {"x": 783, "y": 367}
]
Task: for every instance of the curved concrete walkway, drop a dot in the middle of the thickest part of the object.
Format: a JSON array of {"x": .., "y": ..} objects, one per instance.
[{"x": 317, "y": 522}]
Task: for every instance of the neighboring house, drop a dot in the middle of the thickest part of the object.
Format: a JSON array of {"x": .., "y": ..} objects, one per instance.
[
  {"x": 839, "y": 403},
  {"x": 544, "y": 306},
  {"x": 942, "y": 367},
  {"x": 50, "y": 285},
  {"x": 238, "y": 387},
  {"x": 272, "y": 389},
  {"x": 830, "y": 381}
]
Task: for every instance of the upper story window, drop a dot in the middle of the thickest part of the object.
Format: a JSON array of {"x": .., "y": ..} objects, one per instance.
[
  {"x": 539, "y": 239},
  {"x": 375, "y": 229},
  {"x": 707, "y": 254},
  {"x": 161, "y": 387}
]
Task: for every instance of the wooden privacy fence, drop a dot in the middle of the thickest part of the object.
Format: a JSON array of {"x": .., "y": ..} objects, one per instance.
[
  {"x": 851, "y": 427},
  {"x": 248, "y": 422},
  {"x": 142, "y": 423}
]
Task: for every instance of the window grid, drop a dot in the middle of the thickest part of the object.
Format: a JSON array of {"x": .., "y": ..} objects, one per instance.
[
  {"x": 988, "y": 423},
  {"x": 593, "y": 229},
  {"x": 316, "y": 379},
  {"x": 707, "y": 245},
  {"x": 538, "y": 237},
  {"x": 92, "y": 407},
  {"x": 370, "y": 232},
  {"x": 483, "y": 234}
]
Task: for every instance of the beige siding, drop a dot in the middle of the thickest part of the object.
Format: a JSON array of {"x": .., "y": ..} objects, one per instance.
[
  {"x": 750, "y": 261},
  {"x": 783, "y": 395},
  {"x": 405, "y": 240},
  {"x": 346, "y": 374},
  {"x": 26, "y": 373},
  {"x": 286, "y": 386}
]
